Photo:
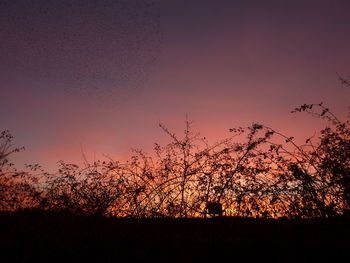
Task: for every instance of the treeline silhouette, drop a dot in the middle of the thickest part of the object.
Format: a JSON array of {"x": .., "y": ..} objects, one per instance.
[{"x": 257, "y": 172}]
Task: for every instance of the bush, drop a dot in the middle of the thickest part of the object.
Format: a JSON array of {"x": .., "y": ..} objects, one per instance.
[{"x": 256, "y": 172}]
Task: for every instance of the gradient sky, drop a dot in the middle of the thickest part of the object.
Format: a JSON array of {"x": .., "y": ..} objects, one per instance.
[{"x": 99, "y": 75}]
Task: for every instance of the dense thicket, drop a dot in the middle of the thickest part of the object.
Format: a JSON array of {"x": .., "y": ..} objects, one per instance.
[{"x": 257, "y": 172}]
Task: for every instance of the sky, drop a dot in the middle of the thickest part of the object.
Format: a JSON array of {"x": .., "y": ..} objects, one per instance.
[{"x": 97, "y": 76}]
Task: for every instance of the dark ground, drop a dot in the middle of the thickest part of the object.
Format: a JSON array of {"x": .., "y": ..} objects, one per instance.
[{"x": 39, "y": 236}]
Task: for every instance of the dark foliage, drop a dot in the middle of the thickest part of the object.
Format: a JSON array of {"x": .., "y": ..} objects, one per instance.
[{"x": 256, "y": 172}]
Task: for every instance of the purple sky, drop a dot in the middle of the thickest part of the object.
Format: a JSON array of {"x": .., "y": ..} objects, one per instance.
[{"x": 100, "y": 75}]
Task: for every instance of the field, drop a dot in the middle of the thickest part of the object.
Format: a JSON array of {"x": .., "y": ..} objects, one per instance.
[{"x": 41, "y": 236}]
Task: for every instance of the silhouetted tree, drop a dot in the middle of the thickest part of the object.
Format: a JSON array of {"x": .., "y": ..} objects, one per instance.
[{"x": 17, "y": 188}]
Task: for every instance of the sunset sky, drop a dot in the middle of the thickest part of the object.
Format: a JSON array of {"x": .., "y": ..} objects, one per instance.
[{"x": 100, "y": 75}]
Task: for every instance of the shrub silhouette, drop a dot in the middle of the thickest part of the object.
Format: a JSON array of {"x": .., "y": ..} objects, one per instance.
[
  {"x": 18, "y": 189},
  {"x": 256, "y": 172}
]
